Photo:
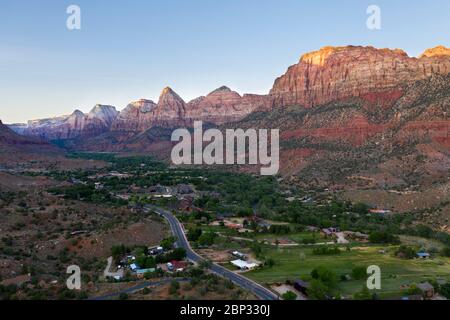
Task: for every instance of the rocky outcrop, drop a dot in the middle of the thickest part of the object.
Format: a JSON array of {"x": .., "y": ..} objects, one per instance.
[
  {"x": 171, "y": 109},
  {"x": 337, "y": 73},
  {"x": 136, "y": 117},
  {"x": 224, "y": 105},
  {"x": 436, "y": 51},
  {"x": 78, "y": 124},
  {"x": 144, "y": 114},
  {"x": 220, "y": 106}
]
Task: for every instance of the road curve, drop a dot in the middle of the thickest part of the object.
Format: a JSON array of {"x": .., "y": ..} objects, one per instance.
[{"x": 182, "y": 242}]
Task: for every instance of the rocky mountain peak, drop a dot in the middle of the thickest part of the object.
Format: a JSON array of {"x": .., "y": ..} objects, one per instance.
[
  {"x": 77, "y": 113},
  {"x": 104, "y": 113},
  {"x": 222, "y": 89},
  {"x": 170, "y": 97},
  {"x": 436, "y": 51}
]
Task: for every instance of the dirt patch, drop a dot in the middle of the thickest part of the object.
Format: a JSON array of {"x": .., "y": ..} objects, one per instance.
[
  {"x": 147, "y": 233},
  {"x": 215, "y": 255}
]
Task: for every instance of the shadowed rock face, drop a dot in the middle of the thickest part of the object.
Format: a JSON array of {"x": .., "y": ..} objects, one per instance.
[
  {"x": 78, "y": 124},
  {"x": 224, "y": 105},
  {"x": 15, "y": 148},
  {"x": 336, "y": 73}
]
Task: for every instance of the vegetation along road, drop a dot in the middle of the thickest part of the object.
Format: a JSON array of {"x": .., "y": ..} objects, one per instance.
[{"x": 178, "y": 232}]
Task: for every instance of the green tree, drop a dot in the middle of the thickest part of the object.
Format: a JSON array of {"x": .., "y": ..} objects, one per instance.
[
  {"x": 325, "y": 275},
  {"x": 289, "y": 295},
  {"x": 359, "y": 273},
  {"x": 317, "y": 290}
]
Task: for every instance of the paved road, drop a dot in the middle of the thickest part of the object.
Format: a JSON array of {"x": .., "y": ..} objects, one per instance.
[{"x": 178, "y": 232}]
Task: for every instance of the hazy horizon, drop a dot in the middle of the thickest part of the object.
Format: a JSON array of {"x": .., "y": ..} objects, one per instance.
[{"x": 132, "y": 50}]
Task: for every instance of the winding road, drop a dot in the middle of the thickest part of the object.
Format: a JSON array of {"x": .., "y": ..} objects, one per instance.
[{"x": 182, "y": 242}]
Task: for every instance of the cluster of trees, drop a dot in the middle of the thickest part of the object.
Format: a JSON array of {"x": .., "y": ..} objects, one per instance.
[
  {"x": 201, "y": 238},
  {"x": 406, "y": 252},
  {"x": 383, "y": 237},
  {"x": 323, "y": 283},
  {"x": 279, "y": 229},
  {"x": 326, "y": 250},
  {"x": 87, "y": 192}
]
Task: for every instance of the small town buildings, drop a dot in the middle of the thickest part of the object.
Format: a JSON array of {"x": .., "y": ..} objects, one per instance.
[
  {"x": 232, "y": 225},
  {"x": 329, "y": 232},
  {"x": 427, "y": 289},
  {"x": 239, "y": 255},
  {"x": 356, "y": 235},
  {"x": 177, "y": 266},
  {"x": 244, "y": 265},
  {"x": 134, "y": 267},
  {"x": 98, "y": 186},
  {"x": 423, "y": 255},
  {"x": 155, "y": 251},
  {"x": 184, "y": 189}
]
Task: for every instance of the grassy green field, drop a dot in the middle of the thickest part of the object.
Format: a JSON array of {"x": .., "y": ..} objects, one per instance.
[
  {"x": 296, "y": 237},
  {"x": 298, "y": 262}
]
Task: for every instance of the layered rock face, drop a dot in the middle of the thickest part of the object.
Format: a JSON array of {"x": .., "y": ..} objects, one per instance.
[
  {"x": 378, "y": 77},
  {"x": 220, "y": 106},
  {"x": 136, "y": 117},
  {"x": 224, "y": 105},
  {"x": 78, "y": 124},
  {"x": 144, "y": 114},
  {"x": 337, "y": 73}
]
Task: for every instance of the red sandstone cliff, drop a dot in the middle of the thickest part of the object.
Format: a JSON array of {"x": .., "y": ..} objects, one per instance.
[{"x": 336, "y": 73}]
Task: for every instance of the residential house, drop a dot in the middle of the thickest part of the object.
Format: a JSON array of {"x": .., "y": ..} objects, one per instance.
[
  {"x": 427, "y": 289},
  {"x": 329, "y": 232},
  {"x": 239, "y": 255},
  {"x": 423, "y": 255},
  {"x": 244, "y": 265},
  {"x": 177, "y": 266}
]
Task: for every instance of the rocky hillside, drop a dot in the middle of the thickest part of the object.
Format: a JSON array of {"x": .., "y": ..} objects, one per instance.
[
  {"x": 345, "y": 94},
  {"x": 15, "y": 148},
  {"x": 339, "y": 139}
]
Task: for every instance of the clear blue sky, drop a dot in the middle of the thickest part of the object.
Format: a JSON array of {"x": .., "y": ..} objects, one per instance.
[{"x": 127, "y": 50}]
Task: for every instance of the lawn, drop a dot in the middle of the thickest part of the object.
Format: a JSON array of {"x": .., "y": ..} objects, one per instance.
[
  {"x": 296, "y": 237},
  {"x": 294, "y": 263}
]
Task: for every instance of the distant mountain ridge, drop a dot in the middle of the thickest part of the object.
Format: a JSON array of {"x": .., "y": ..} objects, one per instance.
[
  {"x": 378, "y": 77},
  {"x": 77, "y": 124}
]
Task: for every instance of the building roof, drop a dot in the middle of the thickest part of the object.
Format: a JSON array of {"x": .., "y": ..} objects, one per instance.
[
  {"x": 425, "y": 286},
  {"x": 423, "y": 254},
  {"x": 133, "y": 266},
  {"x": 243, "y": 264},
  {"x": 178, "y": 264}
]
